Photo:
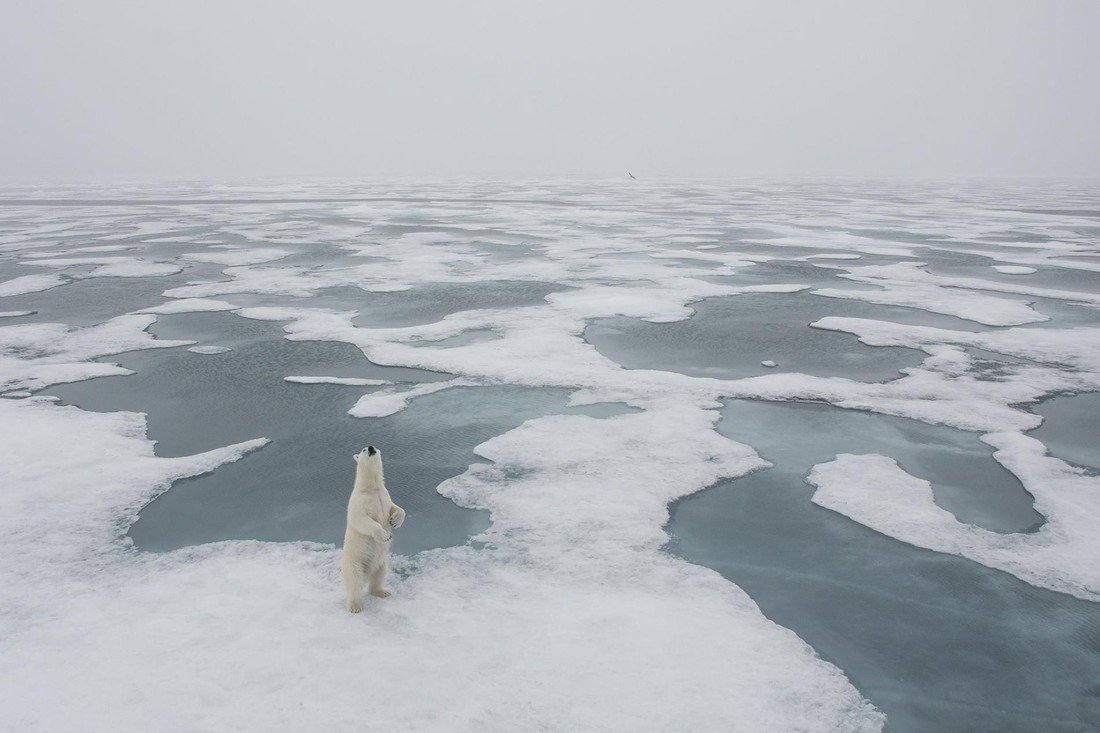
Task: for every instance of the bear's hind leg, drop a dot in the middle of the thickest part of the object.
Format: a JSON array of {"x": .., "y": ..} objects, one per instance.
[
  {"x": 353, "y": 581},
  {"x": 377, "y": 578}
]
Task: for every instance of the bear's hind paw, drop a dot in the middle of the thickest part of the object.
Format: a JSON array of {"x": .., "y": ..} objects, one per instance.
[
  {"x": 354, "y": 606},
  {"x": 382, "y": 593}
]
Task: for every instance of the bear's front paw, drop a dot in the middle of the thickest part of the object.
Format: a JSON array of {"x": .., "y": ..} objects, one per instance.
[
  {"x": 354, "y": 606},
  {"x": 381, "y": 535}
]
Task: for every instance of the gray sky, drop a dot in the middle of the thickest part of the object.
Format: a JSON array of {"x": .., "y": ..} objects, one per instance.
[{"x": 110, "y": 90}]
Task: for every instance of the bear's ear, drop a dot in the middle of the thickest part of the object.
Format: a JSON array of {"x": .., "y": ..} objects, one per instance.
[{"x": 355, "y": 457}]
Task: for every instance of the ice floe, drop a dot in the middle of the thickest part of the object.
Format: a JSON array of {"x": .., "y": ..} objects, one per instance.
[
  {"x": 30, "y": 284},
  {"x": 1061, "y": 555},
  {"x": 903, "y": 284},
  {"x": 552, "y": 629},
  {"x": 110, "y": 266},
  {"x": 189, "y": 305},
  {"x": 350, "y": 381},
  {"x": 1077, "y": 348},
  {"x": 912, "y": 274},
  {"x": 238, "y": 256},
  {"x": 36, "y": 355},
  {"x": 57, "y": 543},
  {"x": 389, "y": 401}
]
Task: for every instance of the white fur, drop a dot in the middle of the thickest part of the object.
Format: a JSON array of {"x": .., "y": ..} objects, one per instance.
[{"x": 372, "y": 516}]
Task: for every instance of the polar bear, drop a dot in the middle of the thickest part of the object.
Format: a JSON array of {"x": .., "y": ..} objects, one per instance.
[{"x": 372, "y": 516}]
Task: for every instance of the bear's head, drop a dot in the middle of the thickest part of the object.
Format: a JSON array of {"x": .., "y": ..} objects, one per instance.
[
  {"x": 370, "y": 453},
  {"x": 368, "y": 469}
]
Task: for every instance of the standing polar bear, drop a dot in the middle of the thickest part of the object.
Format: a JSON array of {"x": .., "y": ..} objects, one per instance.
[{"x": 371, "y": 517}]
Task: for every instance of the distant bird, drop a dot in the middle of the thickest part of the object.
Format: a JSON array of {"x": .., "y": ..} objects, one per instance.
[{"x": 631, "y": 175}]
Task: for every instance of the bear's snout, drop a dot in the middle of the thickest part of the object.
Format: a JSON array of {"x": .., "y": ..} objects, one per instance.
[{"x": 371, "y": 450}]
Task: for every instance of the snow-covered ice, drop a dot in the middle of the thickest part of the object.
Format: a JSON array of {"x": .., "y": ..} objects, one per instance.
[
  {"x": 236, "y": 256},
  {"x": 36, "y": 355},
  {"x": 905, "y": 284},
  {"x": 1061, "y": 555},
  {"x": 109, "y": 266},
  {"x": 189, "y": 305},
  {"x": 349, "y": 381},
  {"x": 30, "y": 284},
  {"x": 566, "y": 611},
  {"x": 553, "y": 630},
  {"x": 389, "y": 401}
]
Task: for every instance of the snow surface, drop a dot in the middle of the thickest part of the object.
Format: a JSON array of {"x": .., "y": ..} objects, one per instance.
[
  {"x": 909, "y": 276},
  {"x": 1077, "y": 348},
  {"x": 389, "y": 401},
  {"x": 30, "y": 284},
  {"x": 905, "y": 284},
  {"x": 189, "y": 305},
  {"x": 238, "y": 256},
  {"x": 110, "y": 266},
  {"x": 36, "y": 355},
  {"x": 565, "y": 614},
  {"x": 545, "y": 629},
  {"x": 351, "y": 381}
]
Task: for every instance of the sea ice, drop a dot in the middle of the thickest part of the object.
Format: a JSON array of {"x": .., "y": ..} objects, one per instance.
[
  {"x": 30, "y": 284},
  {"x": 903, "y": 284},
  {"x": 351, "y": 381},
  {"x": 874, "y": 491},
  {"x": 914, "y": 273},
  {"x": 568, "y": 614},
  {"x": 925, "y": 636},
  {"x": 111, "y": 266},
  {"x": 238, "y": 256},
  {"x": 189, "y": 305},
  {"x": 1077, "y": 348},
  {"x": 36, "y": 355},
  {"x": 388, "y": 401},
  {"x": 599, "y": 608}
]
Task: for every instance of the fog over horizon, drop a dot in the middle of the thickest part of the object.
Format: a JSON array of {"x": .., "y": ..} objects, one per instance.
[{"x": 130, "y": 91}]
